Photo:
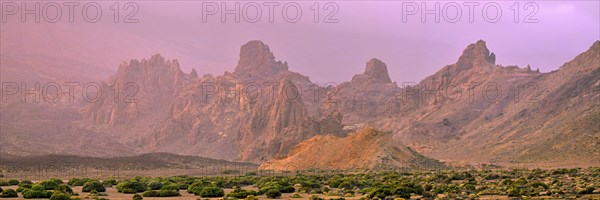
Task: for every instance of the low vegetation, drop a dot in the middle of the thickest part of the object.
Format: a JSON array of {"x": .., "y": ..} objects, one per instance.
[{"x": 467, "y": 184}]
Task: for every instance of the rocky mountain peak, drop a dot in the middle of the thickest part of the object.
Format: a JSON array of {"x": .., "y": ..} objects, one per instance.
[
  {"x": 256, "y": 56},
  {"x": 377, "y": 70},
  {"x": 194, "y": 73},
  {"x": 155, "y": 81},
  {"x": 148, "y": 68},
  {"x": 476, "y": 54}
]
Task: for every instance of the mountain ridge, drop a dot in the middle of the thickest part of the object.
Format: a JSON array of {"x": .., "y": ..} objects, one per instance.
[{"x": 471, "y": 111}]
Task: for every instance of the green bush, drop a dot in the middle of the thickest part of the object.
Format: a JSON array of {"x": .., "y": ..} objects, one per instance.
[
  {"x": 172, "y": 186},
  {"x": 280, "y": 186},
  {"x": 155, "y": 185},
  {"x": 25, "y": 183},
  {"x": 64, "y": 189},
  {"x": 60, "y": 196},
  {"x": 130, "y": 187},
  {"x": 196, "y": 188},
  {"x": 9, "y": 193},
  {"x": 77, "y": 182},
  {"x": 37, "y": 187},
  {"x": 309, "y": 186},
  {"x": 137, "y": 197},
  {"x": 13, "y": 182},
  {"x": 405, "y": 189},
  {"x": 240, "y": 193},
  {"x": 514, "y": 192},
  {"x": 93, "y": 185},
  {"x": 273, "y": 193},
  {"x": 128, "y": 191},
  {"x": 168, "y": 193},
  {"x": 161, "y": 193},
  {"x": 251, "y": 197},
  {"x": 184, "y": 186},
  {"x": 1, "y": 190},
  {"x": 49, "y": 184},
  {"x": 31, "y": 194},
  {"x": 380, "y": 193},
  {"x": 57, "y": 180},
  {"x": 23, "y": 186},
  {"x": 150, "y": 193},
  {"x": 4, "y": 183},
  {"x": 212, "y": 192},
  {"x": 109, "y": 183}
]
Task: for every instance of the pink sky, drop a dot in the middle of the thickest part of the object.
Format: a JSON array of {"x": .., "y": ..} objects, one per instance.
[{"x": 326, "y": 52}]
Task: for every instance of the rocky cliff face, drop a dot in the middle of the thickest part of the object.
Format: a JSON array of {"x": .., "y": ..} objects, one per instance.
[
  {"x": 276, "y": 126},
  {"x": 138, "y": 89},
  {"x": 255, "y": 113},
  {"x": 366, "y": 97}
]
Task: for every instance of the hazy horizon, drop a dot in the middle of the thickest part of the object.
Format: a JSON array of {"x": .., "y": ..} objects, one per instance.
[{"x": 326, "y": 52}]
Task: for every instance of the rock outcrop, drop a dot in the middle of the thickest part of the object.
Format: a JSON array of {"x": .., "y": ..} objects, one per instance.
[
  {"x": 376, "y": 71},
  {"x": 139, "y": 89},
  {"x": 256, "y": 113},
  {"x": 365, "y": 97},
  {"x": 476, "y": 55},
  {"x": 256, "y": 57},
  {"x": 364, "y": 149}
]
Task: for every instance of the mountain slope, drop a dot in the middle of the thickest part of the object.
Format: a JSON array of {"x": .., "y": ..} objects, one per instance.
[
  {"x": 482, "y": 112},
  {"x": 364, "y": 149}
]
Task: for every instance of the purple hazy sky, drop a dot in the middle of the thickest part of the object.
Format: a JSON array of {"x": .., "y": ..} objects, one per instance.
[{"x": 333, "y": 52}]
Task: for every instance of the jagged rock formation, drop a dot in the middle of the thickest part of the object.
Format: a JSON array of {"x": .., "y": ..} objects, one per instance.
[
  {"x": 471, "y": 111},
  {"x": 256, "y": 57},
  {"x": 138, "y": 89},
  {"x": 376, "y": 71},
  {"x": 256, "y": 113},
  {"x": 364, "y": 149},
  {"x": 275, "y": 127},
  {"x": 366, "y": 97},
  {"x": 476, "y": 55}
]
